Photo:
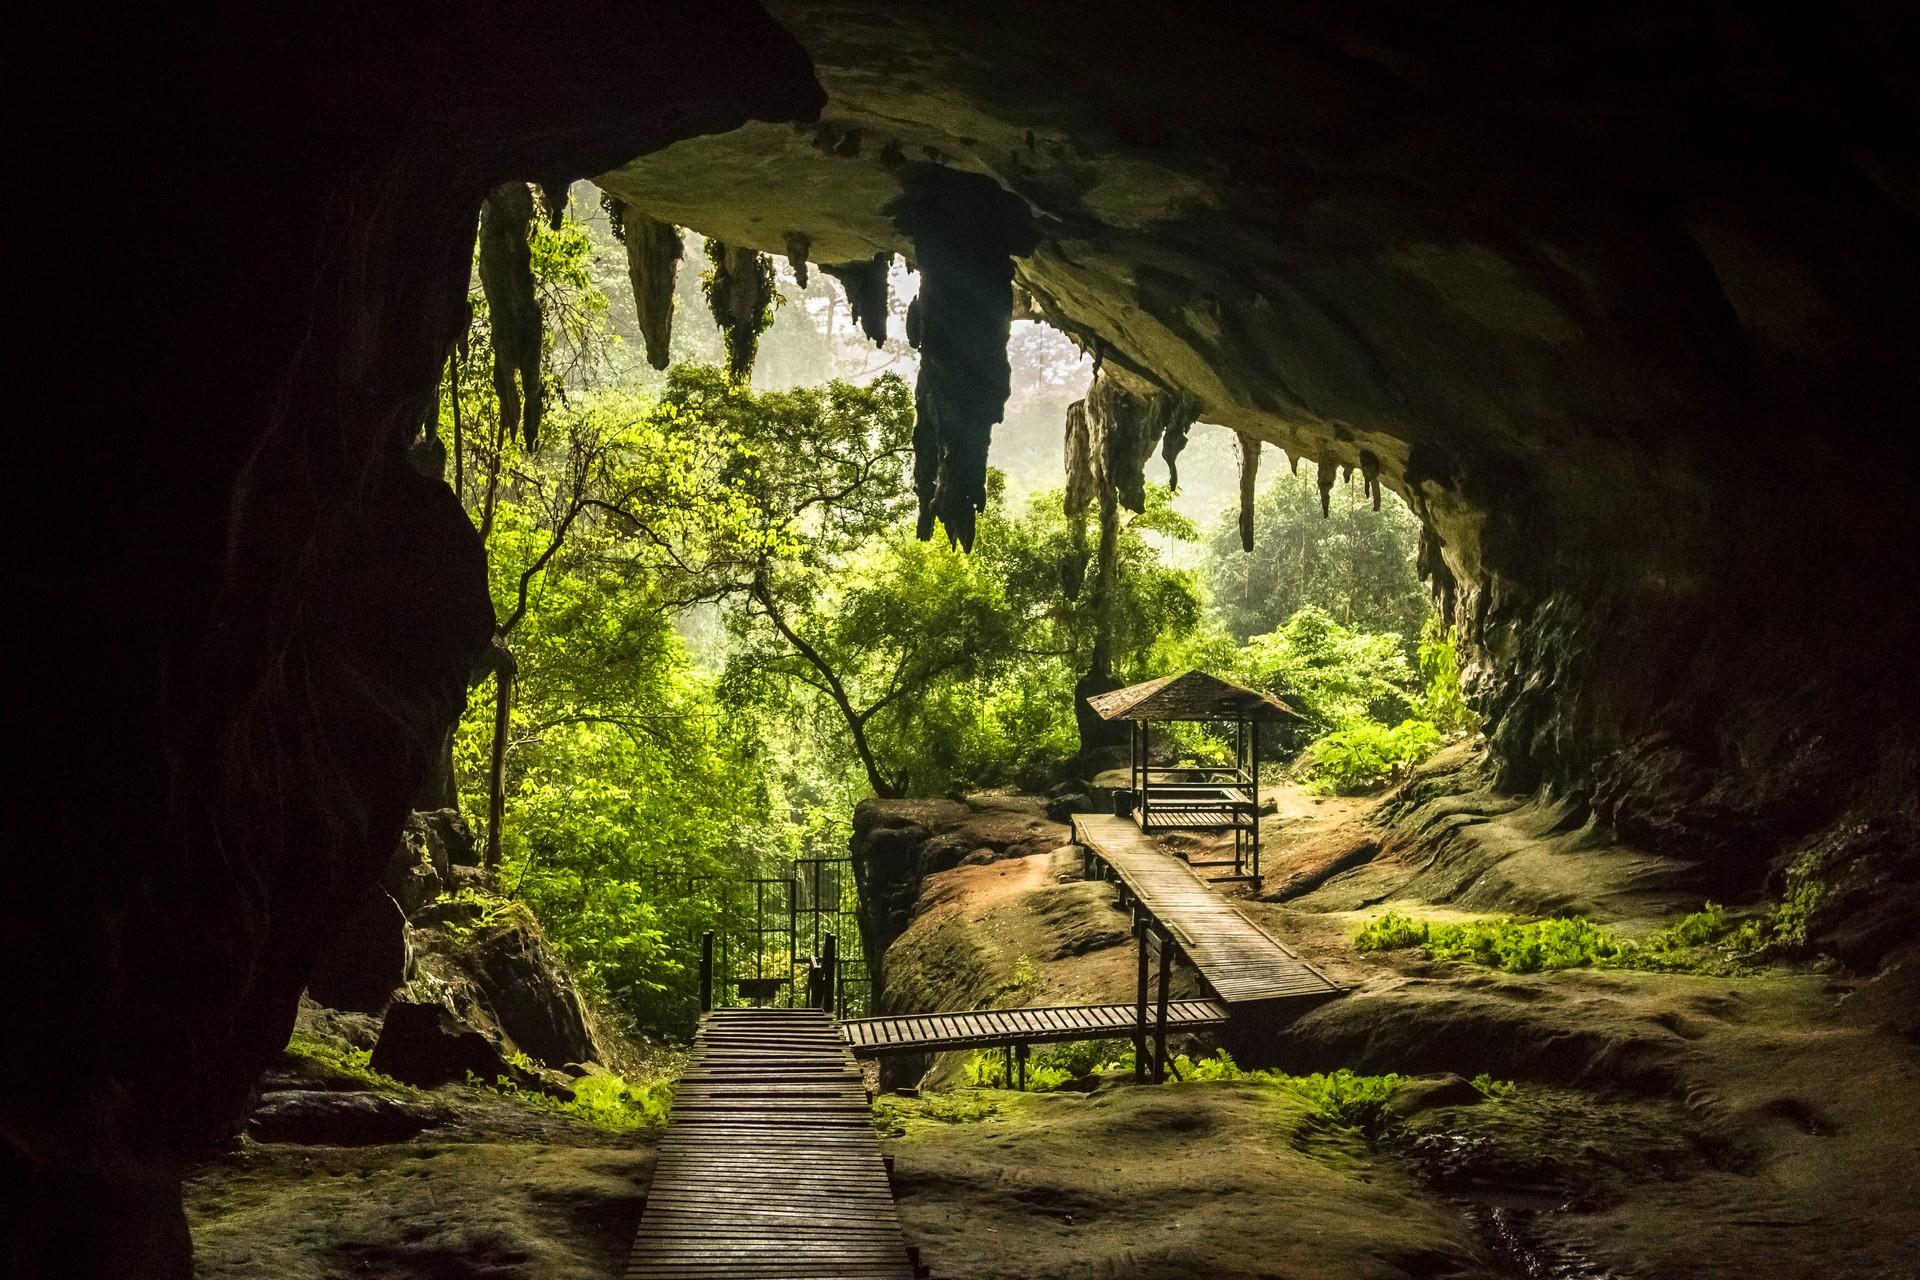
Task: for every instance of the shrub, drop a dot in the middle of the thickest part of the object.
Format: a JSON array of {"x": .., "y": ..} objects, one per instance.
[
  {"x": 1495, "y": 1089},
  {"x": 1565, "y": 942},
  {"x": 603, "y": 1100},
  {"x": 339, "y": 1062},
  {"x": 1367, "y": 755},
  {"x": 1391, "y": 932},
  {"x": 1439, "y": 661}
]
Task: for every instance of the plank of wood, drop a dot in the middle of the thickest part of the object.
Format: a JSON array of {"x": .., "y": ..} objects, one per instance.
[
  {"x": 769, "y": 1169},
  {"x": 991, "y": 1028},
  {"x": 1238, "y": 960}
]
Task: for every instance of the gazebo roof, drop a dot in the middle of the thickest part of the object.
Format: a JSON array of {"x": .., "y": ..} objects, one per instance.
[{"x": 1191, "y": 695}]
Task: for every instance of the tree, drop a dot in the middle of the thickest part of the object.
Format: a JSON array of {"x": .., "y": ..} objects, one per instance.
[{"x": 1355, "y": 563}]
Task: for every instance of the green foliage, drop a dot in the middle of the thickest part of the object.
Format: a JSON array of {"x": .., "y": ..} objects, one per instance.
[
  {"x": 1494, "y": 1089},
  {"x": 1439, "y": 661},
  {"x": 1566, "y": 942},
  {"x": 1390, "y": 932},
  {"x": 1355, "y": 565},
  {"x": 339, "y": 1063},
  {"x": 603, "y": 1100},
  {"x": 1050, "y": 1065},
  {"x": 1333, "y": 675},
  {"x": 1366, "y": 756},
  {"x": 742, "y": 340},
  {"x": 1340, "y": 1097}
]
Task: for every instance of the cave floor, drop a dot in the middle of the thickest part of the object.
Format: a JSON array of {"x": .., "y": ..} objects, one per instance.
[
  {"x": 500, "y": 1192},
  {"x": 1660, "y": 1124}
]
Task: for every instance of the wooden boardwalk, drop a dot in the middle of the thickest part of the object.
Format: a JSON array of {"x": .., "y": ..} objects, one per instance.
[
  {"x": 1240, "y": 962},
  {"x": 981, "y": 1028},
  {"x": 769, "y": 1169}
]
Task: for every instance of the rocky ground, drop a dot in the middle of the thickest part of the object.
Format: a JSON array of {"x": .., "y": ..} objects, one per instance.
[{"x": 1659, "y": 1124}]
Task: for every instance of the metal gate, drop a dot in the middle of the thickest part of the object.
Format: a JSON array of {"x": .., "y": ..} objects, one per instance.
[{"x": 771, "y": 928}]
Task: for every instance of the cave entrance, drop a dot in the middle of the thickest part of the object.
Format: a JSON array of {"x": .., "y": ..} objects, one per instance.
[{"x": 721, "y": 631}]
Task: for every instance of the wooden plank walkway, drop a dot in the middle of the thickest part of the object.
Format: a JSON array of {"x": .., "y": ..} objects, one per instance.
[
  {"x": 980, "y": 1028},
  {"x": 1240, "y": 962},
  {"x": 769, "y": 1168}
]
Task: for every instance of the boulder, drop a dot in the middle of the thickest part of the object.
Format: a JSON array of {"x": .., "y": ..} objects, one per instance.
[
  {"x": 337, "y": 1119},
  {"x": 423, "y": 1044},
  {"x": 448, "y": 840},
  {"x": 369, "y": 959},
  {"x": 1062, "y": 807},
  {"x": 530, "y": 995}
]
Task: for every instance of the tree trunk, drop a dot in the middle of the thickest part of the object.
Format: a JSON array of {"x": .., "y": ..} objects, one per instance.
[
  {"x": 1095, "y": 732},
  {"x": 885, "y": 788}
]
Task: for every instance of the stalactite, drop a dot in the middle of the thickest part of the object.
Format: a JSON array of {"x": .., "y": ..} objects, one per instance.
[
  {"x": 1431, "y": 564},
  {"x": 798, "y": 247},
  {"x": 1249, "y": 480},
  {"x": 1126, "y": 417},
  {"x": 653, "y": 263},
  {"x": 739, "y": 289},
  {"x": 866, "y": 286},
  {"x": 965, "y": 231},
  {"x": 1081, "y": 486},
  {"x": 1293, "y": 462},
  {"x": 1170, "y": 449},
  {"x": 1370, "y": 477},
  {"x": 1329, "y": 472},
  {"x": 506, "y": 278}
]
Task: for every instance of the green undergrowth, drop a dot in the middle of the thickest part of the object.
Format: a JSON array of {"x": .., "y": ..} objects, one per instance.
[
  {"x": 327, "y": 1060},
  {"x": 601, "y": 1099},
  {"x": 1339, "y": 1097},
  {"x": 1704, "y": 942},
  {"x": 1494, "y": 1089}
]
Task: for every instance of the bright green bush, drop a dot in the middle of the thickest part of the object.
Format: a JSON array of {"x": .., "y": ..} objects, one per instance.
[
  {"x": 602, "y": 1099},
  {"x": 1564, "y": 942},
  {"x": 1391, "y": 932},
  {"x": 1439, "y": 661},
  {"x": 1366, "y": 756}
]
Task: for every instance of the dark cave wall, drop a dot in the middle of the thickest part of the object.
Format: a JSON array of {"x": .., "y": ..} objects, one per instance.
[{"x": 250, "y": 621}]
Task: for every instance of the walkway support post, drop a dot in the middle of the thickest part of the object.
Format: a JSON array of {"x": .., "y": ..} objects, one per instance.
[
  {"x": 1140, "y": 1001},
  {"x": 706, "y": 972},
  {"x": 1165, "y": 940}
]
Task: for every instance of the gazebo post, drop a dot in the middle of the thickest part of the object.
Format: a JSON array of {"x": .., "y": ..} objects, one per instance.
[
  {"x": 1146, "y": 771},
  {"x": 1133, "y": 760}
]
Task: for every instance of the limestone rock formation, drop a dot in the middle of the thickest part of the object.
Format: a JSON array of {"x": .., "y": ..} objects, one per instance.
[
  {"x": 367, "y": 960},
  {"x": 266, "y": 615},
  {"x": 529, "y": 993},
  {"x": 1590, "y": 285},
  {"x": 337, "y": 1117},
  {"x": 898, "y": 843},
  {"x": 423, "y": 1044},
  {"x": 654, "y": 250}
]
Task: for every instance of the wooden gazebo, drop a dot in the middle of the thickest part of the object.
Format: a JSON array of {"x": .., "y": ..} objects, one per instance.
[{"x": 1198, "y": 797}]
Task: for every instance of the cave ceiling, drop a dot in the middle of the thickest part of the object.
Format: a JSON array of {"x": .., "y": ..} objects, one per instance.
[{"x": 1459, "y": 246}]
